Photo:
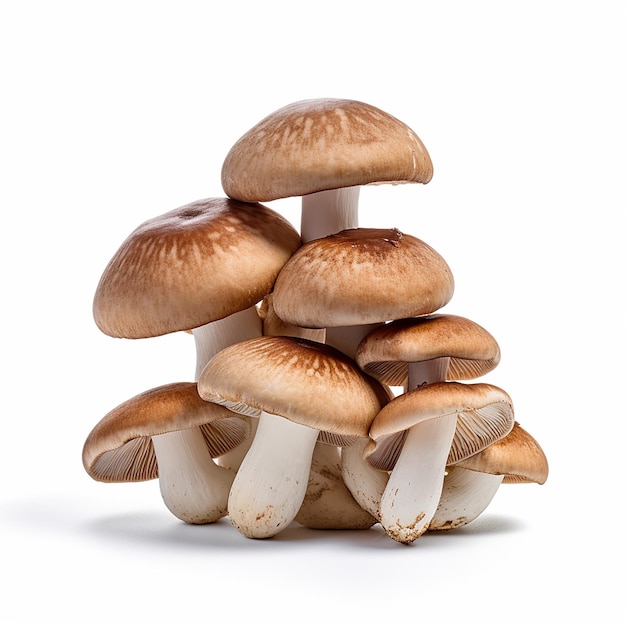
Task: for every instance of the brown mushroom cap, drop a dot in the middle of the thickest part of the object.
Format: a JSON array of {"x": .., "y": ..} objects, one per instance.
[
  {"x": 304, "y": 381},
  {"x": 387, "y": 351},
  {"x": 191, "y": 266},
  {"x": 518, "y": 457},
  {"x": 484, "y": 415},
  {"x": 322, "y": 144},
  {"x": 119, "y": 448},
  {"x": 361, "y": 276}
]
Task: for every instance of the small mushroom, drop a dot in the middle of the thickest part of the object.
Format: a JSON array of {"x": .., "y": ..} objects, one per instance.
[
  {"x": 395, "y": 353},
  {"x": 471, "y": 484},
  {"x": 300, "y": 390},
  {"x": 324, "y": 150},
  {"x": 153, "y": 435}
]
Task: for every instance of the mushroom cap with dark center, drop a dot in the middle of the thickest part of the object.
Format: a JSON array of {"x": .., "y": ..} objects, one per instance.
[
  {"x": 361, "y": 276},
  {"x": 386, "y": 352},
  {"x": 191, "y": 266},
  {"x": 518, "y": 457},
  {"x": 119, "y": 448},
  {"x": 484, "y": 415},
  {"x": 322, "y": 144},
  {"x": 304, "y": 381}
]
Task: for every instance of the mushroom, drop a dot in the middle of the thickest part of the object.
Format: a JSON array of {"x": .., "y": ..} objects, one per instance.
[
  {"x": 324, "y": 150},
  {"x": 130, "y": 444},
  {"x": 395, "y": 353},
  {"x": 410, "y": 353},
  {"x": 471, "y": 484},
  {"x": 421, "y": 431},
  {"x": 201, "y": 267},
  {"x": 354, "y": 280},
  {"x": 300, "y": 390}
]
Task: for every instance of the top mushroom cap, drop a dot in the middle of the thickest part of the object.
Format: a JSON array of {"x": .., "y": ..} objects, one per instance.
[
  {"x": 361, "y": 276},
  {"x": 386, "y": 352},
  {"x": 484, "y": 415},
  {"x": 119, "y": 448},
  {"x": 304, "y": 381},
  {"x": 191, "y": 266},
  {"x": 518, "y": 457},
  {"x": 322, "y": 144}
]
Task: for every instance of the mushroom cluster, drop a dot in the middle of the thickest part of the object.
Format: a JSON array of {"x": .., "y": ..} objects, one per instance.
[{"x": 328, "y": 388}]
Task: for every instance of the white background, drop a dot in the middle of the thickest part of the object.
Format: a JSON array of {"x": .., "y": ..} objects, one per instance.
[{"x": 115, "y": 112}]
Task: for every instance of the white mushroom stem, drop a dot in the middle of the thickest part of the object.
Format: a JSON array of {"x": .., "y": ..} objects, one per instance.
[
  {"x": 327, "y": 212},
  {"x": 412, "y": 493},
  {"x": 466, "y": 494},
  {"x": 271, "y": 482},
  {"x": 193, "y": 487},
  {"x": 427, "y": 372},
  {"x": 348, "y": 338},
  {"x": 366, "y": 484},
  {"x": 215, "y": 336}
]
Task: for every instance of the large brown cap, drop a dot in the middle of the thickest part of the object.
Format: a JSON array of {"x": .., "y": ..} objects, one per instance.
[
  {"x": 119, "y": 448},
  {"x": 518, "y": 457},
  {"x": 387, "y": 351},
  {"x": 322, "y": 144},
  {"x": 361, "y": 276},
  {"x": 304, "y": 381},
  {"x": 484, "y": 415},
  {"x": 191, "y": 266}
]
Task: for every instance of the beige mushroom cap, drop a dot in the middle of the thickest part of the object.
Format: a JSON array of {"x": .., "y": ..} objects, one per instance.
[
  {"x": 191, "y": 266},
  {"x": 119, "y": 448},
  {"x": 484, "y": 415},
  {"x": 361, "y": 276},
  {"x": 518, "y": 457},
  {"x": 387, "y": 351},
  {"x": 304, "y": 381},
  {"x": 322, "y": 144}
]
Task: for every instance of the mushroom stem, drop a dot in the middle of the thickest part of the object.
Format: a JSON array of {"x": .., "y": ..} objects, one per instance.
[
  {"x": 426, "y": 372},
  {"x": 465, "y": 495},
  {"x": 193, "y": 487},
  {"x": 348, "y": 338},
  {"x": 327, "y": 212},
  {"x": 366, "y": 484},
  {"x": 412, "y": 493},
  {"x": 271, "y": 482},
  {"x": 328, "y": 504},
  {"x": 215, "y": 336}
]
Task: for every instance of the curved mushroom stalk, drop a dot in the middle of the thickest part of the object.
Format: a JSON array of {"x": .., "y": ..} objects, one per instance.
[
  {"x": 271, "y": 482},
  {"x": 365, "y": 483},
  {"x": 412, "y": 493},
  {"x": 465, "y": 495},
  {"x": 193, "y": 487},
  {"x": 328, "y": 503},
  {"x": 327, "y": 212}
]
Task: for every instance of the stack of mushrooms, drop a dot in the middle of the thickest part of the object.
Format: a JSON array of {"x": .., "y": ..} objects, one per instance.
[{"x": 329, "y": 390}]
